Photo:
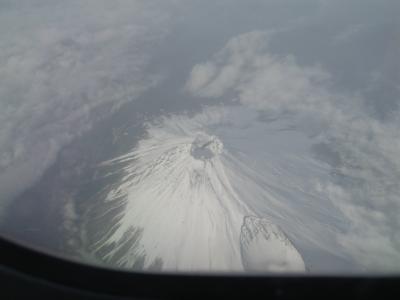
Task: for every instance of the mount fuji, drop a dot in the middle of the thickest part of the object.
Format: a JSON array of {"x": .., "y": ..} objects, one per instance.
[{"x": 219, "y": 191}]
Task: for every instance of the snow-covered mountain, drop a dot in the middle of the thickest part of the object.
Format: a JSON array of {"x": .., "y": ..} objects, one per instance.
[{"x": 214, "y": 191}]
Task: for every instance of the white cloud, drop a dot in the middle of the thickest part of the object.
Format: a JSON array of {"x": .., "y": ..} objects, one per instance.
[
  {"x": 200, "y": 76},
  {"x": 260, "y": 79},
  {"x": 231, "y": 61}
]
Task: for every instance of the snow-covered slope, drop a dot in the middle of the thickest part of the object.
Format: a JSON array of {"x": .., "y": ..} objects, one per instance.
[
  {"x": 189, "y": 188},
  {"x": 265, "y": 247}
]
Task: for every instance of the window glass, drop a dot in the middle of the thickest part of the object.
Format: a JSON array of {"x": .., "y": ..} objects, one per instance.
[{"x": 203, "y": 136}]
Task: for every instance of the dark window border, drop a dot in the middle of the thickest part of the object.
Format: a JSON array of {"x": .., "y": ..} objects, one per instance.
[{"x": 29, "y": 273}]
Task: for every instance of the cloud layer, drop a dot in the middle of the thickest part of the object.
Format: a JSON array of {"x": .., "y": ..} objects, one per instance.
[{"x": 65, "y": 67}]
